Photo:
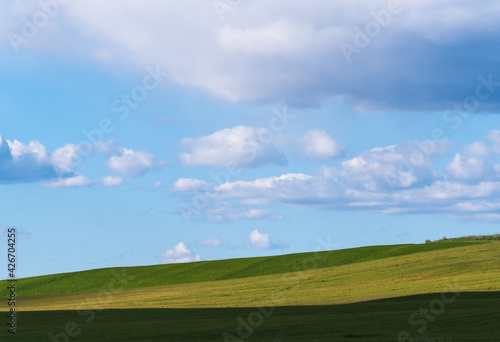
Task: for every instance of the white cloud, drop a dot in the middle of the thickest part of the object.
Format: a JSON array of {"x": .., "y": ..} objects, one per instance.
[
  {"x": 75, "y": 181},
  {"x": 478, "y": 148},
  {"x": 288, "y": 50},
  {"x": 389, "y": 167},
  {"x": 134, "y": 163},
  {"x": 179, "y": 254},
  {"x": 23, "y": 163},
  {"x": 494, "y": 137},
  {"x": 34, "y": 150},
  {"x": 112, "y": 181},
  {"x": 393, "y": 179},
  {"x": 158, "y": 184},
  {"x": 466, "y": 168},
  {"x": 319, "y": 145},
  {"x": 210, "y": 242},
  {"x": 20, "y": 163},
  {"x": 223, "y": 212},
  {"x": 188, "y": 184},
  {"x": 260, "y": 240},
  {"x": 243, "y": 146},
  {"x": 237, "y": 146},
  {"x": 64, "y": 157},
  {"x": 216, "y": 211}
]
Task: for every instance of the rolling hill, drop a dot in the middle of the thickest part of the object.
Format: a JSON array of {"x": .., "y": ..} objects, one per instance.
[{"x": 302, "y": 292}]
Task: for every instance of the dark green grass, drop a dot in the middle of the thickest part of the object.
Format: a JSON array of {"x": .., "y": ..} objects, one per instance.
[
  {"x": 144, "y": 276},
  {"x": 473, "y": 316}
]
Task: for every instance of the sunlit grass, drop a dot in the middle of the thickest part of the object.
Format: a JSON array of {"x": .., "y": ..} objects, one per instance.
[{"x": 474, "y": 267}]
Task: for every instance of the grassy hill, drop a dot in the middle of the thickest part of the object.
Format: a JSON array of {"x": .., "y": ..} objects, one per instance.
[
  {"x": 359, "y": 274},
  {"x": 360, "y": 294},
  {"x": 157, "y": 275}
]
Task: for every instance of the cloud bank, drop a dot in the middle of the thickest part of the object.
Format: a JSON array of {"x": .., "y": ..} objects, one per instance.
[
  {"x": 295, "y": 52},
  {"x": 394, "y": 179}
]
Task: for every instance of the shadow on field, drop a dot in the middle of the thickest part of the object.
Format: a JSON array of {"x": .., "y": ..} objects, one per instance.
[{"x": 439, "y": 317}]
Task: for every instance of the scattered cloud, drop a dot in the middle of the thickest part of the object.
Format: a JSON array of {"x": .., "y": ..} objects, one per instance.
[
  {"x": 259, "y": 240},
  {"x": 243, "y": 146},
  {"x": 188, "y": 184},
  {"x": 466, "y": 168},
  {"x": 208, "y": 242},
  {"x": 64, "y": 158},
  {"x": 237, "y": 146},
  {"x": 133, "y": 163},
  {"x": 71, "y": 182},
  {"x": 25, "y": 163},
  {"x": 319, "y": 145},
  {"x": 393, "y": 179},
  {"x": 179, "y": 254},
  {"x": 216, "y": 211},
  {"x": 263, "y": 241},
  {"x": 21, "y": 163},
  {"x": 112, "y": 181},
  {"x": 158, "y": 184},
  {"x": 494, "y": 137}
]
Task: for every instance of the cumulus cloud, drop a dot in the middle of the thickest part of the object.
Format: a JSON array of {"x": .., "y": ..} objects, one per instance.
[
  {"x": 466, "y": 168},
  {"x": 188, "y": 184},
  {"x": 289, "y": 50},
  {"x": 179, "y": 254},
  {"x": 133, "y": 163},
  {"x": 319, "y": 145},
  {"x": 244, "y": 146},
  {"x": 20, "y": 163},
  {"x": 241, "y": 146},
  {"x": 260, "y": 240},
  {"x": 25, "y": 163},
  {"x": 64, "y": 157},
  {"x": 112, "y": 181},
  {"x": 393, "y": 179}
]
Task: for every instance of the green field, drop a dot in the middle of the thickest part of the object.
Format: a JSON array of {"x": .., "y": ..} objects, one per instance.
[
  {"x": 360, "y": 294},
  {"x": 471, "y": 317}
]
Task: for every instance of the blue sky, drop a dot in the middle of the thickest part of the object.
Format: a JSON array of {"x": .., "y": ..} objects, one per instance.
[{"x": 138, "y": 133}]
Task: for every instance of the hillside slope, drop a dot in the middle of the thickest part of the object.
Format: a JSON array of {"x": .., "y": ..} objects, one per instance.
[
  {"x": 171, "y": 274},
  {"x": 473, "y": 267}
]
